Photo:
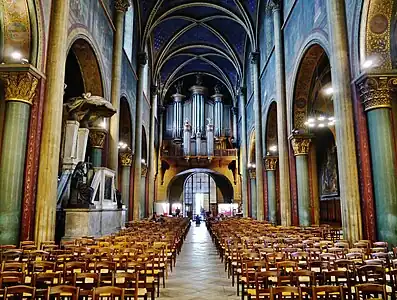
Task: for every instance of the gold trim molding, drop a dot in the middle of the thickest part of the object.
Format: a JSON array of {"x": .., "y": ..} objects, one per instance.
[
  {"x": 271, "y": 163},
  {"x": 376, "y": 90},
  {"x": 300, "y": 144}
]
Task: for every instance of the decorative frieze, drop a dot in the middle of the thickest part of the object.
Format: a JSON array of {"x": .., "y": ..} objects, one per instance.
[{"x": 376, "y": 91}]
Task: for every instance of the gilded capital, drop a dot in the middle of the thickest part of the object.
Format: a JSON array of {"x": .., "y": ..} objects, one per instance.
[
  {"x": 252, "y": 173},
  {"x": 19, "y": 86},
  {"x": 126, "y": 159},
  {"x": 376, "y": 91},
  {"x": 144, "y": 170},
  {"x": 300, "y": 144},
  {"x": 271, "y": 163},
  {"x": 121, "y": 5},
  {"x": 97, "y": 137}
]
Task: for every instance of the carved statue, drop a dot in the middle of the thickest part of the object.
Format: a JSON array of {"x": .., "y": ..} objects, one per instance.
[
  {"x": 179, "y": 86},
  {"x": 218, "y": 88},
  {"x": 199, "y": 79},
  {"x": 80, "y": 192},
  {"x": 87, "y": 109}
]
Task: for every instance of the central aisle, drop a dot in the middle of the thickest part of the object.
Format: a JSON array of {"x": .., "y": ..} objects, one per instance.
[{"x": 199, "y": 273}]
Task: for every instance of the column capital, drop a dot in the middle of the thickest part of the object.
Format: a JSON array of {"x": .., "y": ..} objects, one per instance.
[
  {"x": 97, "y": 137},
  {"x": 242, "y": 90},
  {"x": 376, "y": 90},
  {"x": 178, "y": 97},
  {"x": 217, "y": 97},
  {"x": 161, "y": 109},
  {"x": 144, "y": 170},
  {"x": 271, "y": 163},
  {"x": 19, "y": 86},
  {"x": 300, "y": 144},
  {"x": 142, "y": 58},
  {"x": 252, "y": 173},
  {"x": 274, "y": 5},
  {"x": 122, "y": 5},
  {"x": 126, "y": 158},
  {"x": 154, "y": 90},
  {"x": 254, "y": 58}
]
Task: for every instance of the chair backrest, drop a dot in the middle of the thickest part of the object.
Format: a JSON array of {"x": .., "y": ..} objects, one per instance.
[
  {"x": 86, "y": 281},
  {"x": 285, "y": 292},
  {"x": 9, "y": 278},
  {"x": 13, "y": 266},
  {"x": 20, "y": 292},
  {"x": 374, "y": 273},
  {"x": 43, "y": 280},
  {"x": 370, "y": 290},
  {"x": 128, "y": 281},
  {"x": 328, "y": 292},
  {"x": 43, "y": 266},
  {"x": 63, "y": 292},
  {"x": 108, "y": 292}
]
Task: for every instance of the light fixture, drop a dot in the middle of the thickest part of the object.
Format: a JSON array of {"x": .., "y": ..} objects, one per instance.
[
  {"x": 273, "y": 148},
  {"x": 329, "y": 91},
  {"x": 321, "y": 118},
  {"x": 367, "y": 64},
  {"x": 332, "y": 123},
  {"x": 16, "y": 55},
  {"x": 321, "y": 125},
  {"x": 122, "y": 145},
  {"x": 143, "y": 161}
]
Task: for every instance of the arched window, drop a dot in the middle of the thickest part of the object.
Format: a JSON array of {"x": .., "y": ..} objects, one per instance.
[{"x": 129, "y": 32}]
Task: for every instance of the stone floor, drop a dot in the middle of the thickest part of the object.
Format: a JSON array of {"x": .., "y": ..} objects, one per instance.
[{"x": 199, "y": 273}]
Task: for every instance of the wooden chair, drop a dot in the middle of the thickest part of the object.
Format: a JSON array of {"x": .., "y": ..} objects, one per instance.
[
  {"x": 370, "y": 290},
  {"x": 339, "y": 278},
  {"x": 63, "y": 292},
  {"x": 70, "y": 268},
  {"x": 108, "y": 292},
  {"x": 42, "y": 266},
  {"x": 264, "y": 281},
  {"x": 12, "y": 255},
  {"x": 86, "y": 282},
  {"x": 371, "y": 274},
  {"x": 13, "y": 266},
  {"x": 285, "y": 292},
  {"x": 328, "y": 292},
  {"x": 130, "y": 283},
  {"x": 42, "y": 281},
  {"x": 9, "y": 278},
  {"x": 19, "y": 292}
]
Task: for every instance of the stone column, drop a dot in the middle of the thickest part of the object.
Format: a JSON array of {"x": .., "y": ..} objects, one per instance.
[
  {"x": 161, "y": 111},
  {"x": 235, "y": 116},
  {"x": 271, "y": 166},
  {"x": 376, "y": 94},
  {"x": 243, "y": 152},
  {"x": 126, "y": 163},
  {"x": 301, "y": 146},
  {"x": 344, "y": 125},
  {"x": 152, "y": 150},
  {"x": 282, "y": 135},
  {"x": 142, "y": 203},
  {"x": 258, "y": 134},
  {"x": 20, "y": 89},
  {"x": 97, "y": 138},
  {"x": 142, "y": 60},
  {"x": 52, "y": 123},
  {"x": 253, "y": 190},
  {"x": 121, "y": 6}
]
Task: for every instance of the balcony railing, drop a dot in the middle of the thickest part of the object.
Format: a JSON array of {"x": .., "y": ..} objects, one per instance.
[{"x": 177, "y": 152}]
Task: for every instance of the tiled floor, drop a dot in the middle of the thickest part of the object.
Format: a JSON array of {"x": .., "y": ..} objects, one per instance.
[{"x": 199, "y": 273}]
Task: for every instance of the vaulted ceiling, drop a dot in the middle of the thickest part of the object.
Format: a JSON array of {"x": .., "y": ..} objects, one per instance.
[{"x": 187, "y": 37}]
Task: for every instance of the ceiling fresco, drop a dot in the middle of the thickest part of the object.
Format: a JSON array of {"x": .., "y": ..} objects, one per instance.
[{"x": 189, "y": 36}]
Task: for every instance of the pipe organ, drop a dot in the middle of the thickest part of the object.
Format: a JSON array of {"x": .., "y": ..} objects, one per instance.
[{"x": 197, "y": 121}]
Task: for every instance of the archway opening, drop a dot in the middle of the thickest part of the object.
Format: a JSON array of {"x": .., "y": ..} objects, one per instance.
[{"x": 313, "y": 117}]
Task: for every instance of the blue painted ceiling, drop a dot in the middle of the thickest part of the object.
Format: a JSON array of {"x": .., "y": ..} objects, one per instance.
[{"x": 191, "y": 36}]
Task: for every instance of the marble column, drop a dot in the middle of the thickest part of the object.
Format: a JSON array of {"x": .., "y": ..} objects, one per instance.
[
  {"x": 253, "y": 191},
  {"x": 152, "y": 150},
  {"x": 282, "y": 135},
  {"x": 376, "y": 94},
  {"x": 126, "y": 163},
  {"x": 20, "y": 90},
  {"x": 97, "y": 138},
  {"x": 243, "y": 152},
  {"x": 52, "y": 123},
  {"x": 344, "y": 125},
  {"x": 301, "y": 146},
  {"x": 121, "y": 6},
  {"x": 258, "y": 135},
  {"x": 142, "y": 61},
  {"x": 271, "y": 166}
]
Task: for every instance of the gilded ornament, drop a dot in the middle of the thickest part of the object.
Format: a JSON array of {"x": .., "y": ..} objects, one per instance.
[
  {"x": 126, "y": 159},
  {"x": 252, "y": 173},
  {"x": 19, "y": 86},
  {"x": 300, "y": 144},
  {"x": 144, "y": 170},
  {"x": 97, "y": 137},
  {"x": 376, "y": 91},
  {"x": 121, "y": 5},
  {"x": 271, "y": 163}
]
